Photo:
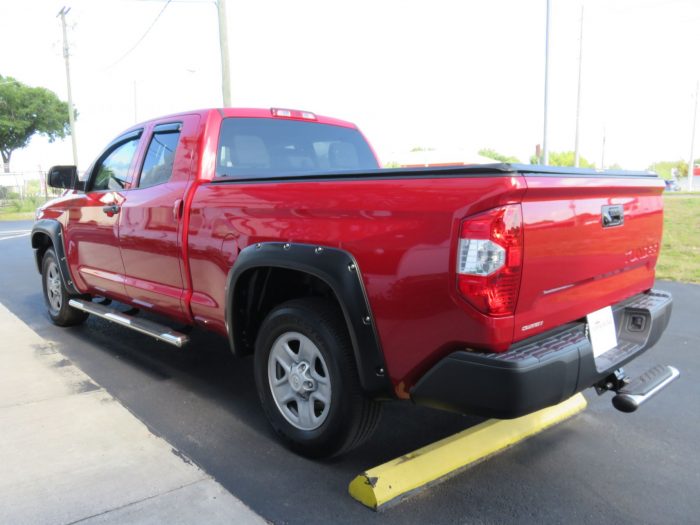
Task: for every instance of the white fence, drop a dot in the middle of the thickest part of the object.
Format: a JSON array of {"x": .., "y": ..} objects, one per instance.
[
  {"x": 22, "y": 185},
  {"x": 24, "y": 191}
]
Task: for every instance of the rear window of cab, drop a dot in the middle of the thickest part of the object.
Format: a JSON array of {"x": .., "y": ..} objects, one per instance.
[{"x": 263, "y": 147}]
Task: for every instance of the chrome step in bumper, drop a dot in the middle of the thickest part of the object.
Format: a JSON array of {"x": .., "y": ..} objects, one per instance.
[{"x": 638, "y": 391}]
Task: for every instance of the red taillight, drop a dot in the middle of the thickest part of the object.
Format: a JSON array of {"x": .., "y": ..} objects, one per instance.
[{"x": 489, "y": 259}]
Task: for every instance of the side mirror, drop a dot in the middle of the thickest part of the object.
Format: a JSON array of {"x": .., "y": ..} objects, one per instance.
[{"x": 63, "y": 177}]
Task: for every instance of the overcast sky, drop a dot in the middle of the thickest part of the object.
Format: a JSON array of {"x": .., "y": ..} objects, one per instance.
[{"x": 440, "y": 74}]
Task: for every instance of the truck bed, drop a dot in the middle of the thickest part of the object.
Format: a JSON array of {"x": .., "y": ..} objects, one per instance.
[{"x": 401, "y": 225}]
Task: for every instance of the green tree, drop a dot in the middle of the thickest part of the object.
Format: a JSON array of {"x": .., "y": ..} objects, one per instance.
[
  {"x": 563, "y": 158},
  {"x": 26, "y": 111},
  {"x": 566, "y": 158},
  {"x": 665, "y": 168},
  {"x": 493, "y": 154}
]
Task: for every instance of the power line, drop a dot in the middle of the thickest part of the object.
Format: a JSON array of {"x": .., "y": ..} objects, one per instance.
[
  {"x": 177, "y": 1},
  {"x": 167, "y": 3}
]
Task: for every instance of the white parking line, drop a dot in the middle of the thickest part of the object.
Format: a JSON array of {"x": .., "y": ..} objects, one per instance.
[
  {"x": 5, "y": 232},
  {"x": 15, "y": 236}
]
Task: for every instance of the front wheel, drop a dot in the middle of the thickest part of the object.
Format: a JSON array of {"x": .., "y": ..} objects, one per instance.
[
  {"x": 56, "y": 296},
  {"x": 307, "y": 380}
]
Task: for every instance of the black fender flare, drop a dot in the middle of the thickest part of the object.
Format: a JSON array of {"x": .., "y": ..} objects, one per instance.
[
  {"x": 339, "y": 270},
  {"x": 54, "y": 231}
]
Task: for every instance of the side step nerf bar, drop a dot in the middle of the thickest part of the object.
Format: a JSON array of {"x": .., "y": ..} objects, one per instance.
[{"x": 156, "y": 330}]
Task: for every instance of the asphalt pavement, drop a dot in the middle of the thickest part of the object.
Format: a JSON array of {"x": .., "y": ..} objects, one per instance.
[{"x": 600, "y": 466}]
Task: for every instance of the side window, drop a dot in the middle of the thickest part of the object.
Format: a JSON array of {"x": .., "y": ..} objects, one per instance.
[
  {"x": 113, "y": 172},
  {"x": 158, "y": 166}
]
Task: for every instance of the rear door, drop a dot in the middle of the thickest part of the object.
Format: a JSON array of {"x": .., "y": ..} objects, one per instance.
[
  {"x": 150, "y": 224},
  {"x": 590, "y": 241},
  {"x": 92, "y": 235}
]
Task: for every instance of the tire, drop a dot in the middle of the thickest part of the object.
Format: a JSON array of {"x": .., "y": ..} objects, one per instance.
[
  {"x": 307, "y": 380},
  {"x": 56, "y": 296}
]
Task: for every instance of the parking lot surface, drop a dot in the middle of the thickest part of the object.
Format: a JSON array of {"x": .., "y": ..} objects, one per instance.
[{"x": 600, "y": 466}]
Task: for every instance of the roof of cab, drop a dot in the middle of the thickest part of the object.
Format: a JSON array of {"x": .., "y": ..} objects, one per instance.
[
  {"x": 267, "y": 113},
  {"x": 250, "y": 113}
]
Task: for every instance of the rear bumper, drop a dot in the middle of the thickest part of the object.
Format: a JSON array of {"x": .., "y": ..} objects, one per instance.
[{"x": 544, "y": 370}]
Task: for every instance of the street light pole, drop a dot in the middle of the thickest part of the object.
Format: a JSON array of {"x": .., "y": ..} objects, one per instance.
[
  {"x": 136, "y": 114},
  {"x": 71, "y": 111},
  {"x": 545, "y": 145},
  {"x": 692, "y": 141},
  {"x": 223, "y": 44},
  {"x": 578, "y": 94},
  {"x": 602, "y": 151}
]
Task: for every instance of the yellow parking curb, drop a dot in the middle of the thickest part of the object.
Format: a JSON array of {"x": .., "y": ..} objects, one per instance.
[{"x": 402, "y": 476}]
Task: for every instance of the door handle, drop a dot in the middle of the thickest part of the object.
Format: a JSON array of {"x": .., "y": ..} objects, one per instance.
[
  {"x": 177, "y": 209},
  {"x": 111, "y": 209}
]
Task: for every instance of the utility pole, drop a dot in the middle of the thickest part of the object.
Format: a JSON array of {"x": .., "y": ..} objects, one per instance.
[
  {"x": 602, "y": 153},
  {"x": 578, "y": 94},
  {"x": 692, "y": 141},
  {"x": 71, "y": 111},
  {"x": 545, "y": 145},
  {"x": 223, "y": 43}
]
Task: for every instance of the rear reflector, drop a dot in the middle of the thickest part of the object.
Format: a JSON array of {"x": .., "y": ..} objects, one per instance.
[{"x": 489, "y": 260}]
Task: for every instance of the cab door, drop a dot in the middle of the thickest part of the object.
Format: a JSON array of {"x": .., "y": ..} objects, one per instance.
[
  {"x": 92, "y": 227},
  {"x": 150, "y": 222}
]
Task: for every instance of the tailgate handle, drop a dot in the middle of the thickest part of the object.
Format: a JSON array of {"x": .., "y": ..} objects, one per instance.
[{"x": 613, "y": 215}]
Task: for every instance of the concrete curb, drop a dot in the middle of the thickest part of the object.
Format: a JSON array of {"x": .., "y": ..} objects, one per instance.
[{"x": 402, "y": 477}]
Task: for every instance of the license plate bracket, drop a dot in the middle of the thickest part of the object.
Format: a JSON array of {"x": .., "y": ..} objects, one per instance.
[{"x": 602, "y": 331}]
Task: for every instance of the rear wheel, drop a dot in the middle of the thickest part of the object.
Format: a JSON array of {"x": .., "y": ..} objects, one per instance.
[
  {"x": 55, "y": 294},
  {"x": 307, "y": 380}
]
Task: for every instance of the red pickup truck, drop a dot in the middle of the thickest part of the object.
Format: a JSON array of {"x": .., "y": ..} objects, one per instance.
[{"x": 494, "y": 290}]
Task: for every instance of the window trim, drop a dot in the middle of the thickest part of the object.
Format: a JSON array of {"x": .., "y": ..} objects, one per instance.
[
  {"x": 119, "y": 141},
  {"x": 164, "y": 128},
  {"x": 169, "y": 127}
]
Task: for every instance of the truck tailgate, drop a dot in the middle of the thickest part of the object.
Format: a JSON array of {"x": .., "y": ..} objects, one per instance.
[{"x": 573, "y": 263}]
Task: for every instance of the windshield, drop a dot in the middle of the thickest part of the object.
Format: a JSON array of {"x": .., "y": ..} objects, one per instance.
[{"x": 261, "y": 147}]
